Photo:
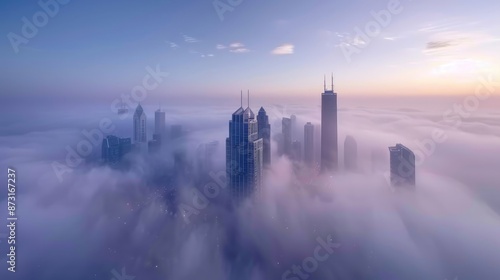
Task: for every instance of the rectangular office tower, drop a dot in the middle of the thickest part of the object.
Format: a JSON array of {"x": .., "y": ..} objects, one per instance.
[
  {"x": 114, "y": 149},
  {"x": 265, "y": 134},
  {"x": 160, "y": 124},
  {"x": 286, "y": 131},
  {"x": 329, "y": 146},
  {"x": 402, "y": 166},
  {"x": 244, "y": 154},
  {"x": 309, "y": 144}
]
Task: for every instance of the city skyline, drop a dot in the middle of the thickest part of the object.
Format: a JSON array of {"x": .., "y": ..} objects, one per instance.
[{"x": 126, "y": 156}]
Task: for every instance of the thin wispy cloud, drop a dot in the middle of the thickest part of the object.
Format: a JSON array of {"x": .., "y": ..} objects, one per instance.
[
  {"x": 172, "y": 45},
  {"x": 236, "y": 45},
  {"x": 189, "y": 39},
  {"x": 440, "y": 44},
  {"x": 447, "y": 25},
  {"x": 284, "y": 49},
  {"x": 454, "y": 42},
  {"x": 220, "y": 47},
  {"x": 239, "y": 50},
  {"x": 202, "y": 55}
]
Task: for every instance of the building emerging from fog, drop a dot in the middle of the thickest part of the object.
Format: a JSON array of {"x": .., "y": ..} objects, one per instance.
[
  {"x": 329, "y": 147},
  {"x": 402, "y": 166},
  {"x": 265, "y": 133},
  {"x": 114, "y": 149},
  {"x": 309, "y": 144},
  {"x": 244, "y": 154},
  {"x": 350, "y": 154},
  {"x": 286, "y": 131},
  {"x": 160, "y": 124},
  {"x": 140, "y": 123}
]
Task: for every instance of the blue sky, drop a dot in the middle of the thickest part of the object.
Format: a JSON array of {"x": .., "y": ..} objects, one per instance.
[{"x": 92, "y": 49}]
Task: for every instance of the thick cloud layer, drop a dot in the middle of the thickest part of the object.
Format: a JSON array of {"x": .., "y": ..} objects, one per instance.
[{"x": 102, "y": 223}]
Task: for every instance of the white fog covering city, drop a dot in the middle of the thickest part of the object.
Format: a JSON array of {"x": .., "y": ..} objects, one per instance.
[{"x": 99, "y": 221}]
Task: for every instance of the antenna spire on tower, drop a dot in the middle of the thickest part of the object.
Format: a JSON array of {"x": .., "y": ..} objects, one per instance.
[
  {"x": 248, "y": 97},
  {"x": 324, "y": 83},
  {"x": 332, "y": 81},
  {"x": 241, "y": 99}
]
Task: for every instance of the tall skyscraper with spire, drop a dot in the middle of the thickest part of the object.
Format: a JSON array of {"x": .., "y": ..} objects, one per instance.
[
  {"x": 329, "y": 145},
  {"x": 140, "y": 124},
  {"x": 244, "y": 154},
  {"x": 265, "y": 134}
]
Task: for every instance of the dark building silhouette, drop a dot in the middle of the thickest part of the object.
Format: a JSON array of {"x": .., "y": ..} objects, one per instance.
[
  {"x": 114, "y": 149},
  {"x": 265, "y": 133},
  {"x": 160, "y": 128},
  {"x": 309, "y": 143},
  {"x": 294, "y": 130},
  {"x": 402, "y": 166},
  {"x": 350, "y": 154},
  {"x": 286, "y": 131},
  {"x": 329, "y": 145},
  {"x": 154, "y": 146},
  {"x": 244, "y": 154}
]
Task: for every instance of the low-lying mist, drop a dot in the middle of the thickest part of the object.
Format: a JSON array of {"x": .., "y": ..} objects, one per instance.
[{"x": 163, "y": 218}]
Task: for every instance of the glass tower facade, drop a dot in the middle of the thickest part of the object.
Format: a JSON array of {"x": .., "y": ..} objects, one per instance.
[{"x": 244, "y": 154}]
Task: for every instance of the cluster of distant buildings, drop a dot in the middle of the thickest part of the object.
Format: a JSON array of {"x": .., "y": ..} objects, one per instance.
[
  {"x": 114, "y": 148},
  {"x": 248, "y": 145}
]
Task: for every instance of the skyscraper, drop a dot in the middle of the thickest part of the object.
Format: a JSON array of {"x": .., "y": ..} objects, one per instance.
[
  {"x": 114, "y": 149},
  {"x": 293, "y": 127},
  {"x": 244, "y": 154},
  {"x": 265, "y": 134},
  {"x": 140, "y": 132},
  {"x": 160, "y": 123},
  {"x": 309, "y": 143},
  {"x": 154, "y": 146},
  {"x": 286, "y": 131},
  {"x": 402, "y": 166},
  {"x": 329, "y": 147},
  {"x": 350, "y": 154}
]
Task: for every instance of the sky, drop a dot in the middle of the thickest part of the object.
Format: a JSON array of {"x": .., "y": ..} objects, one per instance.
[{"x": 90, "y": 50}]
